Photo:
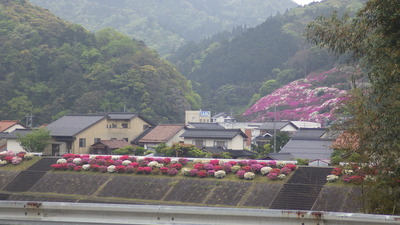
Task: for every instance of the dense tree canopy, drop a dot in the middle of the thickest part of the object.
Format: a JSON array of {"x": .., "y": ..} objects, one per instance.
[
  {"x": 49, "y": 68},
  {"x": 168, "y": 24},
  {"x": 373, "y": 39}
]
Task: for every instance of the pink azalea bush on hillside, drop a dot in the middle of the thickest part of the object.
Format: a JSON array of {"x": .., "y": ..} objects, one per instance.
[{"x": 303, "y": 99}]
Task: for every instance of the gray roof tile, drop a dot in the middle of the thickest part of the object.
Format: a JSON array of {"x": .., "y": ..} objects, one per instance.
[
  {"x": 70, "y": 125},
  {"x": 212, "y": 133}
]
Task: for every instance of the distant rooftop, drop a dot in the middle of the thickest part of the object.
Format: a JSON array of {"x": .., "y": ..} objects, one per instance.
[
  {"x": 212, "y": 133},
  {"x": 206, "y": 125}
]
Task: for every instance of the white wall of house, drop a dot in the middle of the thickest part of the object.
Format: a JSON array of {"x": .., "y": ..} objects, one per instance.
[
  {"x": 288, "y": 128},
  {"x": 236, "y": 143},
  {"x": 13, "y": 145},
  {"x": 176, "y": 138}
]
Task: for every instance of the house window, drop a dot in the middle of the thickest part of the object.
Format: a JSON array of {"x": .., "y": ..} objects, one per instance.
[
  {"x": 145, "y": 127},
  {"x": 198, "y": 144},
  {"x": 221, "y": 144},
  {"x": 124, "y": 125},
  {"x": 96, "y": 140},
  {"x": 82, "y": 142}
]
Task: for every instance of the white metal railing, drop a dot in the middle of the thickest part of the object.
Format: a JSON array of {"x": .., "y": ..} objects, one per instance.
[{"x": 22, "y": 212}]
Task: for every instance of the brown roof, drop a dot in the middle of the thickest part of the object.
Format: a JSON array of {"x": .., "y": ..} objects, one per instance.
[
  {"x": 5, "y": 124},
  {"x": 161, "y": 133},
  {"x": 112, "y": 144}
]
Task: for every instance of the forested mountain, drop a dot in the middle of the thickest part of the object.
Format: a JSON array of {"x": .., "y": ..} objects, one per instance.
[
  {"x": 234, "y": 69},
  {"x": 49, "y": 67},
  {"x": 166, "y": 25}
]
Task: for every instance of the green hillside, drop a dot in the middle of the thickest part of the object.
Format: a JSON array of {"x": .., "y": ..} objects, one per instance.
[
  {"x": 168, "y": 24},
  {"x": 50, "y": 67}
]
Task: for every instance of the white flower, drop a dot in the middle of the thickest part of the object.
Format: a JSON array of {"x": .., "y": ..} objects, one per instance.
[
  {"x": 281, "y": 176},
  {"x": 92, "y": 156},
  {"x": 139, "y": 159},
  {"x": 159, "y": 165},
  {"x": 3, "y": 162},
  {"x": 185, "y": 171},
  {"x": 152, "y": 164},
  {"x": 266, "y": 170},
  {"x": 126, "y": 162},
  {"x": 235, "y": 168},
  {"x": 111, "y": 169},
  {"x": 114, "y": 157},
  {"x": 59, "y": 161},
  {"x": 86, "y": 167},
  {"x": 220, "y": 174},
  {"x": 221, "y": 162},
  {"x": 280, "y": 164},
  {"x": 77, "y": 161},
  {"x": 332, "y": 178},
  {"x": 206, "y": 161},
  {"x": 249, "y": 176},
  {"x": 348, "y": 172},
  {"x": 28, "y": 156},
  {"x": 197, "y": 161},
  {"x": 370, "y": 178}
]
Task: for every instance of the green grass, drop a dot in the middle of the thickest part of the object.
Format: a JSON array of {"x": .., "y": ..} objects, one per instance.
[{"x": 25, "y": 164}]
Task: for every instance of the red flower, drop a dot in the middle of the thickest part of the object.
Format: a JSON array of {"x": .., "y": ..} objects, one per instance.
[
  {"x": 167, "y": 160},
  {"x": 246, "y": 168},
  {"x": 275, "y": 170},
  {"x": 120, "y": 169},
  {"x": 134, "y": 164},
  {"x": 290, "y": 166},
  {"x": 202, "y": 174},
  {"x": 214, "y": 162},
  {"x": 95, "y": 167},
  {"x": 337, "y": 171},
  {"x": 200, "y": 166},
  {"x": 217, "y": 167},
  {"x": 164, "y": 170},
  {"x": 124, "y": 157},
  {"x": 8, "y": 158},
  {"x": 177, "y": 166}
]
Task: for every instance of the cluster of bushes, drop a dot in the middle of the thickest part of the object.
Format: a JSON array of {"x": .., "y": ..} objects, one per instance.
[
  {"x": 9, "y": 157},
  {"x": 246, "y": 169},
  {"x": 352, "y": 173}
]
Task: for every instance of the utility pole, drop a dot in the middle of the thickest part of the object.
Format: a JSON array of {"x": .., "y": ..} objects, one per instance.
[{"x": 29, "y": 120}]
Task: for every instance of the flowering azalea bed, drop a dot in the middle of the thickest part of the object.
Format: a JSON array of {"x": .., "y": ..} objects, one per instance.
[
  {"x": 9, "y": 157},
  {"x": 351, "y": 174},
  {"x": 246, "y": 169},
  {"x": 303, "y": 99}
]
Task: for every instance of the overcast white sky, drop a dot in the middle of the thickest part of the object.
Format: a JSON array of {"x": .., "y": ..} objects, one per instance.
[{"x": 305, "y": 2}]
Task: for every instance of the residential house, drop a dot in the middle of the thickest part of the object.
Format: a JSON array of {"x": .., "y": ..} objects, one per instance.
[
  {"x": 268, "y": 129},
  {"x": 249, "y": 128},
  {"x": 167, "y": 133},
  {"x": 10, "y": 125},
  {"x": 217, "y": 140},
  {"x": 310, "y": 143},
  {"x": 105, "y": 147},
  {"x": 223, "y": 118},
  {"x": 12, "y": 139},
  {"x": 77, "y": 133},
  {"x": 197, "y": 116}
]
